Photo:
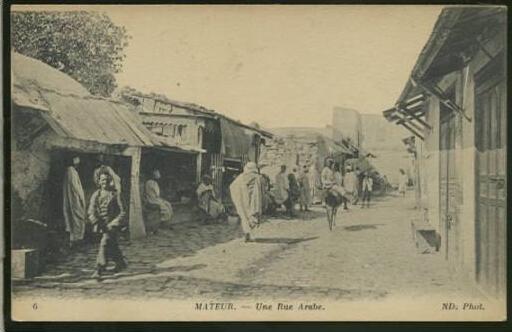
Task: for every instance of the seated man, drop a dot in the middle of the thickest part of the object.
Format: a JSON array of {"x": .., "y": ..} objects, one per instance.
[
  {"x": 206, "y": 198},
  {"x": 152, "y": 197},
  {"x": 329, "y": 181}
]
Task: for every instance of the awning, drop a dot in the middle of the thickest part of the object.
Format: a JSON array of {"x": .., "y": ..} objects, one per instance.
[
  {"x": 236, "y": 140},
  {"x": 411, "y": 115}
]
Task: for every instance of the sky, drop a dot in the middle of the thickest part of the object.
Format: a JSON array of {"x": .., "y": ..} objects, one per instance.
[{"x": 277, "y": 65}]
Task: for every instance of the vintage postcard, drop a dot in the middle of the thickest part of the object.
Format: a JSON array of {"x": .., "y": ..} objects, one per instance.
[{"x": 258, "y": 163}]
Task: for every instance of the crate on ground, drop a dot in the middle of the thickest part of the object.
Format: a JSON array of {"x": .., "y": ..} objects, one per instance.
[{"x": 24, "y": 263}]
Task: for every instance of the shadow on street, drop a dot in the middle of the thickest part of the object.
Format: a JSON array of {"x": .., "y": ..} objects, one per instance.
[
  {"x": 356, "y": 228},
  {"x": 284, "y": 240}
]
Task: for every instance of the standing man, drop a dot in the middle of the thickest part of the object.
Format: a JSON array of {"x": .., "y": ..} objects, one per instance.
[
  {"x": 367, "y": 186},
  {"x": 305, "y": 189},
  {"x": 106, "y": 213},
  {"x": 246, "y": 193},
  {"x": 314, "y": 182},
  {"x": 294, "y": 193},
  {"x": 74, "y": 204},
  {"x": 350, "y": 184},
  {"x": 282, "y": 187}
]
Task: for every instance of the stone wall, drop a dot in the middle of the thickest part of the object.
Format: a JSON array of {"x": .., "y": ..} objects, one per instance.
[{"x": 290, "y": 151}]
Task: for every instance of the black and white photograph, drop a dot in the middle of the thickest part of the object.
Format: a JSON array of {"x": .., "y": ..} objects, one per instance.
[{"x": 257, "y": 162}]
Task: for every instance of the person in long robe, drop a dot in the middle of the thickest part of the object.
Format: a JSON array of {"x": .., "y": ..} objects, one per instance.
[
  {"x": 314, "y": 181},
  {"x": 281, "y": 187},
  {"x": 246, "y": 193},
  {"x": 294, "y": 193},
  {"x": 152, "y": 196},
  {"x": 74, "y": 208},
  {"x": 350, "y": 183},
  {"x": 106, "y": 213},
  {"x": 305, "y": 189},
  {"x": 207, "y": 200},
  {"x": 269, "y": 204}
]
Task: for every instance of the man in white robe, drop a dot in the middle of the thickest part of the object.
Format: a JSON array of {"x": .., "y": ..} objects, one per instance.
[
  {"x": 74, "y": 209},
  {"x": 247, "y": 196}
]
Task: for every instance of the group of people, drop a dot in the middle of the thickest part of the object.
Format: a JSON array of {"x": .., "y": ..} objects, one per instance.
[
  {"x": 105, "y": 211},
  {"x": 251, "y": 195},
  {"x": 293, "y": 188}
]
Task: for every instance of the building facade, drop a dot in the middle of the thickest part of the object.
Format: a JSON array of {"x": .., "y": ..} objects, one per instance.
[
  {"x": 225, "y": 145},
  {"x": 455, "y": 104}
]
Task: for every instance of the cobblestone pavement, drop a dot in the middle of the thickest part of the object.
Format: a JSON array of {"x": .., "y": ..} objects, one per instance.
[{"x": 369, "y": 255}]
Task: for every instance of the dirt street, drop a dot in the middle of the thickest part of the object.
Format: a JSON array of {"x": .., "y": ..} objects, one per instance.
[{"x": 369, "y": 255}]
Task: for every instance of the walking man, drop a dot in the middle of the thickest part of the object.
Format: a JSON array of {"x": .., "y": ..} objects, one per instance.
[
  {"x": 106, "y": 213},
  {"x": 247, "y": 195}
]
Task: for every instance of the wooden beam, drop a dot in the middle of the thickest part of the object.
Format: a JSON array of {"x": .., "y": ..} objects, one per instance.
[
  {"x": 415, "y": 133},
  {"x": 408, "y": 121},
  {"x": 417, "y": 118},
  {"x": 436, "y": 91}
]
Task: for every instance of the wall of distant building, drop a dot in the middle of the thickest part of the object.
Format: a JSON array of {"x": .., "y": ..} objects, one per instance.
[
  {"x": 385, "y": 141},
  {"x": 346, "y": 123}
]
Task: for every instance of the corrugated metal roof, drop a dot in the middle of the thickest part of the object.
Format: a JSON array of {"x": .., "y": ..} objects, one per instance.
[{"x": 71, "y": 111}]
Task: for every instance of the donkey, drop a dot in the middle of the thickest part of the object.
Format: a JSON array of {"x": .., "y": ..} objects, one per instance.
[{"x": 333, "y": 200}]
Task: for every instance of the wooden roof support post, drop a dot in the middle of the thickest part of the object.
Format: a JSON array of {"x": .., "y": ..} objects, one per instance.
[{"x": 136, "y": 222}]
